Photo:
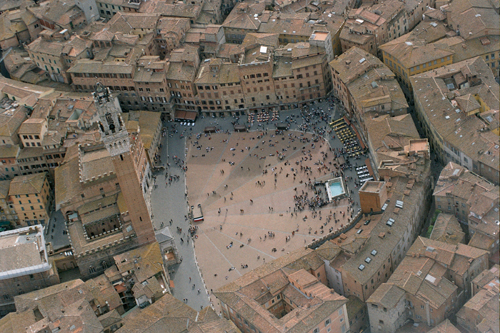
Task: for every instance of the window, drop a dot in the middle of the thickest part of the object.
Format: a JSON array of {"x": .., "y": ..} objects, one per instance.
[
  {"x": 316, "y": 330},
  {"x": 327, "y": 322}
]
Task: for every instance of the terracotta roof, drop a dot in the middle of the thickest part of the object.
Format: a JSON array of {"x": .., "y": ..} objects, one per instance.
[
  {"x": 483, "y": 309},
  {"x": 28, "y": 184},
  {"x": 473, "y": 18},
  {"x": 145, "y": 262},
  {"x": 226, "y": 73},
  {"x": 243, "y": 16},
  {"x": 63, "y": 307},
  {"x": 103, "y": 293},
  {"x": 11, "y": 120},
  {"x": 246, "y": 294},
  {"x": 58, "y": 11},
  {"x": 445, "y": 327},
  {"x": 178, "y": 9},
  {"x": 436, "y": 90},
  {"x": 415, "y": 49},
  {"x": 447, "y": 229},
  {"x": 32, "y": 126},
  {"x": 167, "y": 312}
]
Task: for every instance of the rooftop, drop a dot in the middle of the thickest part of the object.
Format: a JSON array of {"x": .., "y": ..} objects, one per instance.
[
  {"x": 369, "y": 81},
  {"x": 390, "y": 135},
  {"x": 384, "y": 238},
  {"x": 22, "y": 252},
  {"x": 483, "y": 307},
  {"x": 63, "y": 307},
  {"x": 95, "y": 163},
  {"x": 420, "y": 46},
  {"x": 285, "y": 275},
  {"x": 28, "y": 184},
  {"x": 174, "y": 315},
  {"x": 447, "y": 229},
  {"x": 423, "y": 272},
  {"x": 32, "y": 126},
  {"x": 440, "y": 94},
  {"x": 372, "y": 187},
  {"x": 148, "y": 123},
  {"x": 473, "y": 18},
  {"x": 145, "y": 262},
  {"x": 445, "y": 327}
]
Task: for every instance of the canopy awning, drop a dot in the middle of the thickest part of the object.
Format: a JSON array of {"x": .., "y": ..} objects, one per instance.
[{"x": 180, "y": 115}]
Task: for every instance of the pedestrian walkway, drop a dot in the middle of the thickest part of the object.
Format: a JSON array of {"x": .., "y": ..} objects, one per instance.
[{"x": 254, "y": 189}]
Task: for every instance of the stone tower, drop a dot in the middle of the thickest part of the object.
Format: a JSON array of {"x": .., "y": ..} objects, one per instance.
[{"x": 115, "y": 137}]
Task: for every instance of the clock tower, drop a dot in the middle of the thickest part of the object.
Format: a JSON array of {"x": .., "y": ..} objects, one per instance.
[{"x": 117, "y": 141}]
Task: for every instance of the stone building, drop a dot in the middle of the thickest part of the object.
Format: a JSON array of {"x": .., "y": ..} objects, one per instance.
[
  {"x": 368, "y": 27},
  {"x": 18, "y": 26},
  {"x": 265, "y": 78},
  {"x": 60, "y": 15},
  {"x": 373, "y": 259},
  {"x": 245, "y": 17},
  {"x": 32, "y": 132},
  {"x": 170, "y": 34},
  {"x": 182, "y": 69},
  {"x": 150, "y": 125},
  {"x": 69, "y": 306},
  {"x": 99, "y": 189},
  {"x": 447, "y": 229},
  {"x": 418, "y": 51},
  {"x": 12, "y": 116},
  {"x": 365, "y": 86},
  {"x": 56, "y": 51},
  {"x": 430, "y": 284},
  {"x": 480, "y": 313},
  {"x": 456, "y": 105},
  {"x": 390, "y": 138},
  {"x": 473, "y": 200},
  {"x": 8, "y": 215},
  {"x": 108, "y": 8},
  {"x": 176, "y": 316},
  {"x": 35, "y": 270},
  {"x": 32, "y": 198},
  {"x": 280, "y": 295}
]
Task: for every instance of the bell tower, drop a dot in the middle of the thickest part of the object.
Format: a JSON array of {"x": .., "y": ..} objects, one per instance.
[{"x": 116, "y": 139}]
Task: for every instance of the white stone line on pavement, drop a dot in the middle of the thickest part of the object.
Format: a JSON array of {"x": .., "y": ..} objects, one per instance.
[
  {"x": 259, "y": 175},
  {"x": 201, "y": 275},
  {"x": 273, "y": 230},
  {"x": 236, "y": 240},
  {"x": 261, "y": 196},
  {"x": 223, "y": 255},
  {"x": 215, "y": 165}
]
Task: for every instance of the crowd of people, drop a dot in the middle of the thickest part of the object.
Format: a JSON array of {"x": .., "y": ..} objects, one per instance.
[{"x": 299, "y": 162}]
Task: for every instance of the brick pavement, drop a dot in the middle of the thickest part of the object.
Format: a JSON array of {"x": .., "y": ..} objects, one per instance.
[{"x": 253, "y": 220}]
